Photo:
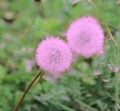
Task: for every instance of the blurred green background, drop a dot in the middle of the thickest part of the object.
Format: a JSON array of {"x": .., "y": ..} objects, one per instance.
[{"x": 89, "y": 85}]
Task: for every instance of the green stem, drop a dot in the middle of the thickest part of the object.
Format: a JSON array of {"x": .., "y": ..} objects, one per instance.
[
  {"x": 41, "y": 73},
  {"x": 39, "y": 78},
  {"x": 116, "y": 92},
  {"x": 110, "y": 35}
]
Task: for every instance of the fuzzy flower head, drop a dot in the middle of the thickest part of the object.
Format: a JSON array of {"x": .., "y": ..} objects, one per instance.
[
  {"x": 86, "y": 37},
  {"x": 53, "y": 55}
]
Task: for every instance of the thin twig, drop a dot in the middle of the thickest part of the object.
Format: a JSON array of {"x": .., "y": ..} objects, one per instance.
[
  {"x": 41, "y": 73},
  {"x": 111, "y": 36}
]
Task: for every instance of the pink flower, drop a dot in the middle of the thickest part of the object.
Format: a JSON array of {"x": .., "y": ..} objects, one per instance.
[
  {"x": 29, "y": 64},
  {"x": 53, "y": 55},
  {"x": 85, "y": 37},
  {"x": 97, "y": 73},
  {"x": 116, "y": 69},
  {"x": 106, "y": 80},
  {"x": 49, "y": 78}
]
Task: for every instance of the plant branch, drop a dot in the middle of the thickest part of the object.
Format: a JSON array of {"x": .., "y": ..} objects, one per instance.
[{"x": 40, "y": 74}]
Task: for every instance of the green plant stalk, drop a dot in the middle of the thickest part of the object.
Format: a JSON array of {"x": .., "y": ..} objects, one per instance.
[
  {"x": 108, "y": 30},
  {"x": 116, "y": 91},
  {"x": 38, "y": 79},
  {"x": 40, "y": 74},
  {"x": 86, "y": 106}
]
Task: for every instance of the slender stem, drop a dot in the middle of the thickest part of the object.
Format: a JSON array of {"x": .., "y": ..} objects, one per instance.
[
  {"x": 111, "y": 36},
  {"x": 41, "y": 73},
  {"x": 116, "y": 92},
  {"x": 38, "y": 79},
  {"x": 106, "y": 25}
]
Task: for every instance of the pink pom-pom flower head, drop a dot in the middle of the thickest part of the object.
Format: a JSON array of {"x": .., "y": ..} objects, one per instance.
[
  {"x": 86, "y": 37},
  {"x": 53, "y": 55}
]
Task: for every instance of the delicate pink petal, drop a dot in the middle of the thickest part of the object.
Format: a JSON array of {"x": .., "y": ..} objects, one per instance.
[
  {"x": 29, "y": 65},
  {"x": 97, "y": 73},
  {"x": 53, "y": 55},
  {"x": 106, "y": 80},
  {"x": 85, "y": 37},
  {"x": 50, "y": 79},
  {"x": 116, "y": 69}
]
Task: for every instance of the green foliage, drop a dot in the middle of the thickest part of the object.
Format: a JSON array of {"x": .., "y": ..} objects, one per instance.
[{"x": 23, "y": 24}]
